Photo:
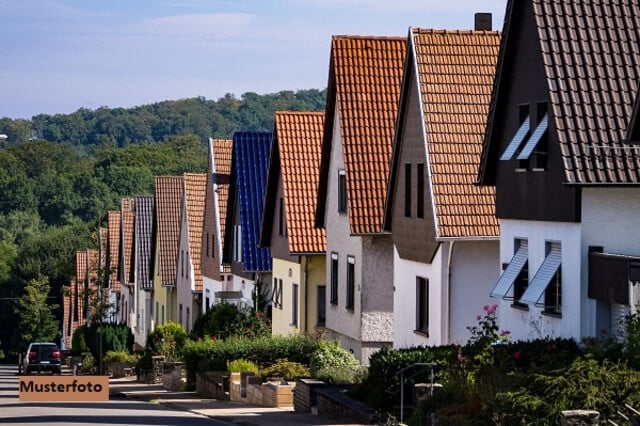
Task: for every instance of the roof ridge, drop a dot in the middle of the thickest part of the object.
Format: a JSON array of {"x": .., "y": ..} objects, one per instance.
[
  {"x": 366, "y": 37},
  {"x": 301, "y": 112},
  {"x": 418, "y": 30}
]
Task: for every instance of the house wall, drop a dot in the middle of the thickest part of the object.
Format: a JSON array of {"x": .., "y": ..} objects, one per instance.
[
  {"x": 316, "y": 276},
  {"x": 282, "y": 317},
  {"x": 473, "y": 266},
  {"x": 527, "y": 194},
  {"x": 374, "y": 290},
  {"x": 532, "y": 323},
  {"x": 184, "y": 276},
  {"x": 159, "y": 294},
  {"x": 280, "y": 244},
  {"x": 609, "y": 219},
  {"x": 414, "y": 238}
]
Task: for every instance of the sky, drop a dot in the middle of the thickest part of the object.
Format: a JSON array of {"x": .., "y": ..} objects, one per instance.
[{"x": 57, "y": 56}]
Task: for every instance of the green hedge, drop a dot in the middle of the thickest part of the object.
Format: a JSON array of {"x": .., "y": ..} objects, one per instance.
[{"x": 213, "y": 355}]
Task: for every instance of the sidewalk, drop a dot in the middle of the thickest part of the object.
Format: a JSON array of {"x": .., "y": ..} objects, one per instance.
[{"x": 233, "y": 412}]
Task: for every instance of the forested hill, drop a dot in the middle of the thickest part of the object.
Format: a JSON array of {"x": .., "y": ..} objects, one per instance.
[{"x": 119, "y": 127}]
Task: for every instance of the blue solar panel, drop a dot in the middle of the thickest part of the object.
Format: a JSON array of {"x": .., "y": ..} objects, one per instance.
[{"x": 251, "y": 155}]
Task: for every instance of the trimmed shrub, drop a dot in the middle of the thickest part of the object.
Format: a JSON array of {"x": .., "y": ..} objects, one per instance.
[
  {"x": 241, "y": 366},
  {"x": 167, "y": 340},
  {"x": 333, "y": 364},
  {"x": 286, "y": 370},
  {"x": 121, "y": 356},
  {"x": 213, "y": 355},
  {"x": 225, "y": 320},
  {"x": 78, "y": 341},
  {"x": 115, "y": 337}
]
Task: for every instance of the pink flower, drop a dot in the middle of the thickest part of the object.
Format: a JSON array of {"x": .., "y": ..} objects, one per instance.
[
  {"x": 485, "y": 307},
  {"x": 492, "y": 309},
  {"x": 517, "y": 354},
  {"x": 478, "y": 317},
  {"x": 505, "y": 333}
]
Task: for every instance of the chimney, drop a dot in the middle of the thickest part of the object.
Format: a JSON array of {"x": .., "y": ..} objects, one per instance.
[{"x": 483, "y": 22}]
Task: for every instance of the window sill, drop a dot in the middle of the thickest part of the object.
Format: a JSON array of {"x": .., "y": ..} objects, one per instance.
[
  {"x": 349, "y": 308},
  {"x": 424, "y": 333},
  {"x": 553, "y": 314},
  {"x": 520, "y": 170},
  {"x": 520, "y": 306},
  {"x": 334, "y": 303},
  {"x": 537, "y": 169}
]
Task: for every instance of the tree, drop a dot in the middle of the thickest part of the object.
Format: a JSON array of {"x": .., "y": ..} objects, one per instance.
[{"x": 36, "y": 321}]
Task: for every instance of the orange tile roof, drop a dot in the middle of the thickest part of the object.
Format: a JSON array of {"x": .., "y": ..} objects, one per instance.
[
  {"x": 365, "y": 77},
  {"x": 113, "y": 246},
  {"x": 168, "y": 204},
  {"x": 66, "y": 316},
  {"x": 128, "y": 222},
  {"x": 222, "y": 155},
  {"x": 299, "y": 139},
  {"x": 194, "y": 196},
  {"x": 456, "y": 70}
]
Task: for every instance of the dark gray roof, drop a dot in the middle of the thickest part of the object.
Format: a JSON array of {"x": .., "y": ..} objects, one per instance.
[
  {"x": 591, "y": 55},
  {"x": 143, "y": 234}
]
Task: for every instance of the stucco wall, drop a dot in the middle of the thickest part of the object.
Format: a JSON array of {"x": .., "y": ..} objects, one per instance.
[
  {"x": 281, "y": 317},
  {"x": 532, "y": 324},
  {"x": 184, "y": 275},
  {"x": 611, "y": 219},
  {"x": 375, "y": 289}
]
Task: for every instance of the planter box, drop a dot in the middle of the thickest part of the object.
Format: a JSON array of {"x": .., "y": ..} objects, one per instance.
[{"x": 238, "y": 385}]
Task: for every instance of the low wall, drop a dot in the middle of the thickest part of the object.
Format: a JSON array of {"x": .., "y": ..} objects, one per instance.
[
  {"x": 212, "y": 386},
  {"x": 305, "y": 397},
  {"x": 334, "y": 403}
]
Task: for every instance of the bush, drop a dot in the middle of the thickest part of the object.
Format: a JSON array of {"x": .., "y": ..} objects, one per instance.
[
  {"x": 286, "y": 370},
  {"x": 333, "y": 364},
  {"x": 115, "y": 337},
  {"x": 241, "y": 366},
  {"x": 226, "y": 320},
  {"x": 213, "y": 355},
  {"x": 78, "y": 341},
  {"x": 167, "y": 340},
  {"x": 120, "y": 356}
]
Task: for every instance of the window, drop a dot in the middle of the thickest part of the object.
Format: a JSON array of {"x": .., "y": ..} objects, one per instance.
[
  {"x": 188, "y": 327},
  {"x": 182, "y": 263},
  {"x": 281, "y": 217},
  {"x": 207, "y": 300},
  {"x": 521, "y": 133},
  {"x": 334, "y": 278},
  {"x": 274, "y": 293},
  {"x": 162, "y": 314},
  {"x": 520, "y": 285},
  {"x": 548, "y": 272},
  {"x": 407, "y": 190},
  {"x": 342, "y": 191},
  {"x": 422, "y": 305},
  {"x": 237, "y": 243},
  {"x": 420, "y": 189},
  {"x": 512, "y": 269},
  {"x": 280, "y": 291},
  {"x": 553, "y": 294},
  {"x": 351, "y": 270},
  {"x": 541, "y": 151},
  {"x": 180, "y": 314},
  {"x": 213, "y": 246},
  {"x": 207, "y": 244},
  {"x": 156, "y": 312},
  {"x": 321, "y": 308},
  {"x": 294, "y": 305}
]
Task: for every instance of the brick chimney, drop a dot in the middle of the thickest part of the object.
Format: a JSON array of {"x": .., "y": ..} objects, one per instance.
[{"x": 482, "y": 22}]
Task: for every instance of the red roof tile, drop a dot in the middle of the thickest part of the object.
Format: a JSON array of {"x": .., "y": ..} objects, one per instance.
[
  {"x": 195, "y": 192},
  {"x": 299, "y": 139},
  {"x": 168, "y": 204},
  {"x": 128, "y": 223},
  {"x": 455, "y": 73}
]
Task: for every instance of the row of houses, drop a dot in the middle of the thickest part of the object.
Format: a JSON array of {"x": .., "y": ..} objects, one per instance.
[{"x": 451, "y": 169}]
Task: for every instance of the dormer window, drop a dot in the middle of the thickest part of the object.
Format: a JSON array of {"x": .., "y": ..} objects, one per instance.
[{"x": 530, "y": 148}]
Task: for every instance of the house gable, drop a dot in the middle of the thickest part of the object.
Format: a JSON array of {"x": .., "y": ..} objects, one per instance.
[
  {"x": 168, "y": 206},
  {"x": 194, "y": 197},
  {"x": 143, "y": 237}
]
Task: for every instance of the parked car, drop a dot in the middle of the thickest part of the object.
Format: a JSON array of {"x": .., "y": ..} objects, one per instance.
[{"x": 42, "y": 356}]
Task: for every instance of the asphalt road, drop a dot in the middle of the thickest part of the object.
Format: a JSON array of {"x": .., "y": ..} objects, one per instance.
[{"x": 113, "y": 412}]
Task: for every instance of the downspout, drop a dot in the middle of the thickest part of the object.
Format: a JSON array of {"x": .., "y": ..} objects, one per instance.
[
  {"x": 449, "y": 262},
  {"x": 306, "y": 294}
]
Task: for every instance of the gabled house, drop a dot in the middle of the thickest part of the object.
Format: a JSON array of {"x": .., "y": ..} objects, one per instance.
[
  {"x": 298, "y": 248},
  {"x": 126, "y": 262},
  {"x": 86, "y": 286},
  {"x": 189, "y": 275},
  {"x": 365, "y": 75},
  {"x": 445, "y": 234},
  {"x": 250, "y": 264},
  {"x": 168, "y": 193},
  {"x": 143, "y": 287},
  {"x": 217, "y": 278},
  {"x": 566, "y": 183},
  {"x": 113, "y": 256}
]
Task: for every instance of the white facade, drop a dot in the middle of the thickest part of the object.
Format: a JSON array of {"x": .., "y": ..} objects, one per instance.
[
  {"x": 460, "y": 278},
  {"x": 369, "y": 325},
  {"x": 231, "y": 283},
  {"x": 532, "y": 323},
  {"x": 185, "y": 284},
  {"x": 610, "y": 219}
]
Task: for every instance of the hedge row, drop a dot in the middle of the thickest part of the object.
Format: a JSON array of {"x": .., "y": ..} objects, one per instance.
[{"x": 213, "y": 355}]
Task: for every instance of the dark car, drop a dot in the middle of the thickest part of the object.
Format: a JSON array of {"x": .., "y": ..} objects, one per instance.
[{"x": 42, "y": 356}]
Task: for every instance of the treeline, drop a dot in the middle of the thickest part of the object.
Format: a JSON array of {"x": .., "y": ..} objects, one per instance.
[
  {"x": 60, "y": 175},
  {"x": 122, "y": 127}
]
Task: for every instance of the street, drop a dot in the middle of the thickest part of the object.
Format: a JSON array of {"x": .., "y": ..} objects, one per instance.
[{"x": 113, "y": 412}]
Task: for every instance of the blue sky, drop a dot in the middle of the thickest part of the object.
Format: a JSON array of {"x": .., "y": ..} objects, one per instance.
[{"x": 57, "y": 56}]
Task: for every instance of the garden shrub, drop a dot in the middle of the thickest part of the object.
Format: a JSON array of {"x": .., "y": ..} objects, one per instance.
[
  {"x": 167, "y": 340},
  {"x": 78, "y": 342},
  {"x": 286, "y": 370},
  {"x": 333, "y": 364},
  {"x": 115, "y": 337},
  {"x": 226, "y": 320},
  {"x": 120, "y": 356},
  {"x": 213, "y": 355},
  {"x": 241, "y": 366}
]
